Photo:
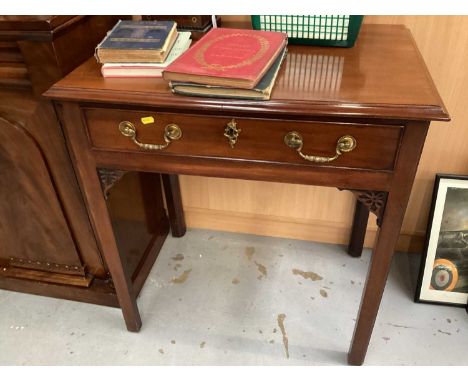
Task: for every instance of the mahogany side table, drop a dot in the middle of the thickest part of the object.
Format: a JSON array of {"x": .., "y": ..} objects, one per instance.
[{"x": 355, "y": 119}]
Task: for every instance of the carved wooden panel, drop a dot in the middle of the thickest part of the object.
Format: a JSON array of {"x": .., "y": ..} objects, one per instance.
[
  {"x": 32, "y": 224},
  {"x": 375, "y": 201},
  {"x": 108, "y": 178}
]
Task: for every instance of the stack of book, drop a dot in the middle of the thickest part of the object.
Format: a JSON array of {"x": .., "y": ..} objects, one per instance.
[
  {"x": 229, "y": 63},
  {"x": 141, "y": 48}
]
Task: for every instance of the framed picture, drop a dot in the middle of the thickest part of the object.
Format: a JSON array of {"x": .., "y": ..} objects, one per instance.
[{"x": 443, "y": 276}]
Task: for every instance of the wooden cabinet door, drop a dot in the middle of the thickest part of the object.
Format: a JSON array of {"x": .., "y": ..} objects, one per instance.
[{"x": 35, "y": 238}]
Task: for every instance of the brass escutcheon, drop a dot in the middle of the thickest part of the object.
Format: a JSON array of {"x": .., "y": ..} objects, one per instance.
[{"x": 231, "y": 132}]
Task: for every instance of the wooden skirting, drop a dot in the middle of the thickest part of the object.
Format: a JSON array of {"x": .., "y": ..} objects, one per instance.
[{"x": 293, "y": 228}]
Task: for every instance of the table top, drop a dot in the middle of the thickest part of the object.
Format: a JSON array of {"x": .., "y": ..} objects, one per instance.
[{"x": 382, "y": 76}]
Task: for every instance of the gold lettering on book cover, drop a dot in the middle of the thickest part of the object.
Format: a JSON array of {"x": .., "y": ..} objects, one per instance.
[
  {"x": 130, "y": 39},
  {"x": 139, "y": 26},
  {"x": 200, "y": 54}
]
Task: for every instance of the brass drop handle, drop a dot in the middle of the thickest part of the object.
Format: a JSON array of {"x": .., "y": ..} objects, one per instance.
[
  {"x": 172, "y": 132},
  {"x": 345, "y": 144}
]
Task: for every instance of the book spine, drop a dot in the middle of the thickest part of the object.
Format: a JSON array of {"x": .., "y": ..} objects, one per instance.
[
  {"x": 96, "y": 50},
  {"x": 131, "y": 76}
]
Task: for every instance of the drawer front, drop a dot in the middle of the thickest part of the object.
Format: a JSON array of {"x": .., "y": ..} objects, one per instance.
[{"x": 258, "y": 139}]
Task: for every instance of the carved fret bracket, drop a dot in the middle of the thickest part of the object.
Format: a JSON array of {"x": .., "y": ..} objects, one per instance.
[
  {"x": 375, "y": 201},
  {"x": 108, "y": 178}
]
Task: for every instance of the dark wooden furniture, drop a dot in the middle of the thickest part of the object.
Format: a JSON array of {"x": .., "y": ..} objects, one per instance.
[
  {"x": 378, "y": 92},
  {"x": 36, "y": 51},
  {"x": 47, "y": 243},
  {"x": 197, "y": 25},
  {"x": 185, "y": 22}
]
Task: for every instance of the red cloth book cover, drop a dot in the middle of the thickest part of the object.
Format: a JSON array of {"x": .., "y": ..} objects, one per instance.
[{"x": 228, "y": 57}]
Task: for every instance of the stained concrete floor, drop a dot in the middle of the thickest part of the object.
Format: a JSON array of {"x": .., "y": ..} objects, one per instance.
[{"x": 216, "y": 298}]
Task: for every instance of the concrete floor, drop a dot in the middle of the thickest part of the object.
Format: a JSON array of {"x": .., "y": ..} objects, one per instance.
[{"x": 216, "y": 298}]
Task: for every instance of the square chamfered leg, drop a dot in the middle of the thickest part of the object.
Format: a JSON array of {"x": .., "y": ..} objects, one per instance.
[
  {"x": 175, "y": 209},
  {"x": 358, "y": 230},
  {"x": 90, "y": 185},
  {"x": 397, "y": 200}
]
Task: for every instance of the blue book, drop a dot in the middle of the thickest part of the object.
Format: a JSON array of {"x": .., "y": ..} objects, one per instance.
[{"x": 137, "y": 41}]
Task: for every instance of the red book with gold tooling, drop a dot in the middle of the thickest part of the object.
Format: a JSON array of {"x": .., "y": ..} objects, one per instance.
[{"x": 228, "y": 57}]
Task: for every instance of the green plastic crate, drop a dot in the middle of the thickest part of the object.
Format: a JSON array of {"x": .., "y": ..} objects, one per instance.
[{"x": 340, "y": 31}]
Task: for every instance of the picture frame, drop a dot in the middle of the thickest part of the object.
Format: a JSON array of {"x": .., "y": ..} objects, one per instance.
[{"x": 443, "y": 274}]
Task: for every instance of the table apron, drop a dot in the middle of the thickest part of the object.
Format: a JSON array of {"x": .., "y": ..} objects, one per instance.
[{"x": 343, "y": 178}]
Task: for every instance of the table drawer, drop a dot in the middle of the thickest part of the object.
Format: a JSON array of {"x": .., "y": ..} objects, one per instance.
[{"x": 258, "y": 139}]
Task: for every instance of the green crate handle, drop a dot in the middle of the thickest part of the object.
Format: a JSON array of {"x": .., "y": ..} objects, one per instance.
[{"x": 354, "y": 26}]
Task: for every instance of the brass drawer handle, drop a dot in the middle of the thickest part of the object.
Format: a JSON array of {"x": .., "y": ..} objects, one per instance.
[
  {"x": 172, "y": 132},
  {"x": 345, "y": 144}
]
